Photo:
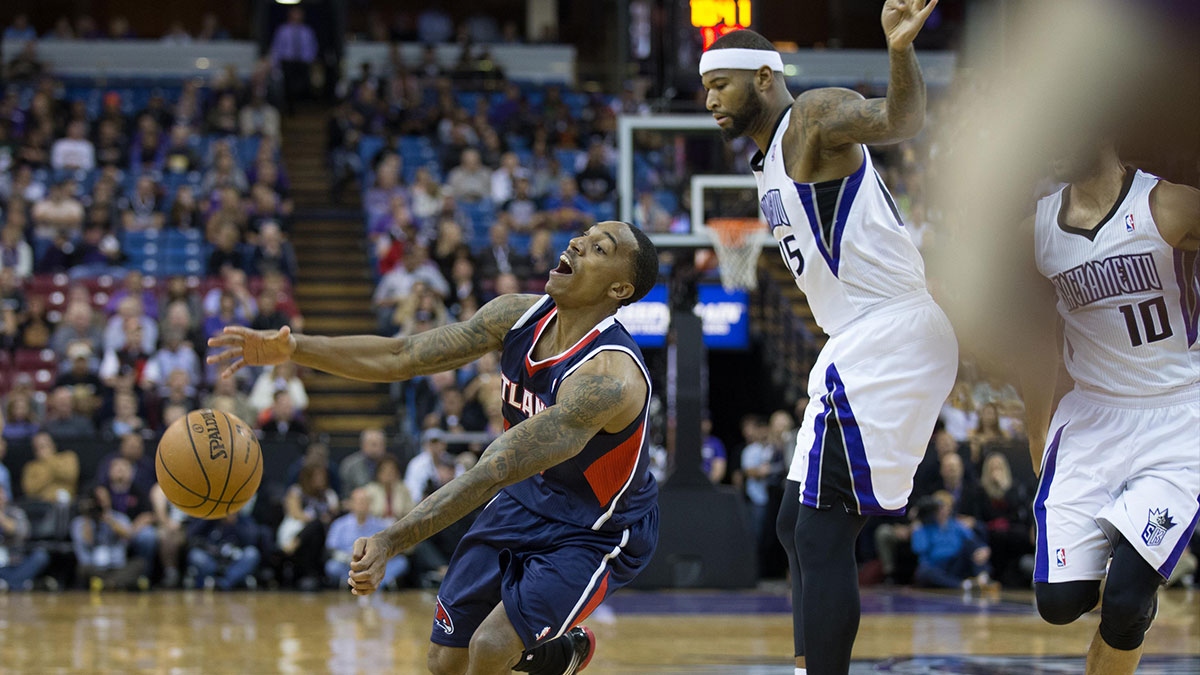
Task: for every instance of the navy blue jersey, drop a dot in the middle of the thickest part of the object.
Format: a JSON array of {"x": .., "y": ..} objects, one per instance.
[{"x": 608, "y": 485}]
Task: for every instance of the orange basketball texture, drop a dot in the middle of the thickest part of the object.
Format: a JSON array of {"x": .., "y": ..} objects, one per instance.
[{"x": 209, "y": 463}]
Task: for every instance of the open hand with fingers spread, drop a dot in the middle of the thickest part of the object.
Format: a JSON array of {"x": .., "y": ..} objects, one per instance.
[
  {"x": 903, "y": 19},
  {"x": 244, "y": 347}
]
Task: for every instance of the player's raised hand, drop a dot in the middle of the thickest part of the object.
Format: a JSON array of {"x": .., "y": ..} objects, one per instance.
[
  {"x": 902, "y": 20},
  {"x": 367, "y": 565},
  {"x": 244, "y": 347}
]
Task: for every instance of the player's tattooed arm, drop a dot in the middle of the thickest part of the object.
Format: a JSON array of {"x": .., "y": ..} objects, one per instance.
[
  {"x": 1176, "y": 211},
  {"x": 606, "y": 393},
  {"x": 840, "y": 117},
  {"x": 373, "y": 358}
]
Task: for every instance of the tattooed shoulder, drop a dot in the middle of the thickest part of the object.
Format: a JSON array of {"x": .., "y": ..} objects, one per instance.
[{"x": 499, "y": 315}]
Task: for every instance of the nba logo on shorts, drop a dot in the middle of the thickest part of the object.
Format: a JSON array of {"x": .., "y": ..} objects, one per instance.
[
  {"x": 1060, "y": 557},
  {"x": 1157, "y": 525},
  {"x": 441, "y": 619},
  {"x": 1129, "y": 223}
]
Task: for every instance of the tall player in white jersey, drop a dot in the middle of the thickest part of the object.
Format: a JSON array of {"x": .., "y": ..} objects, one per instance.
[
  {"x": 1120, "y": 475},
  {"x": 891, "y": 358}
]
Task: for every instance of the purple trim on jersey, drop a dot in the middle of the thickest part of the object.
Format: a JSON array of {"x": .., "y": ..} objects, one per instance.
[
  {"x": 831, "y": 251},
  {"x": 812, "y": 482},
  {"x": 1186, "y": 536},
  {"x": 1041, "y": 565},
  {"x": 1187, "y": 275},
  {"x": 856, "y": 452}
]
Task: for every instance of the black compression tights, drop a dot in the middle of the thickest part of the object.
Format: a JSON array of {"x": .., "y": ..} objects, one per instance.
[{"x": 820, "y": 549}]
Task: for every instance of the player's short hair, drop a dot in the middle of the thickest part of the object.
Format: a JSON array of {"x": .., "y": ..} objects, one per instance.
[
  {"x": 743, "y": 39},
  {"x": 645, "y": 265}
]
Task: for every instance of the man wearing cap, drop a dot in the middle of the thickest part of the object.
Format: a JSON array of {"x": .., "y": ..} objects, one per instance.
[
  {"x": 432, "y": 468},
  {"x": 878, "y": 384}
]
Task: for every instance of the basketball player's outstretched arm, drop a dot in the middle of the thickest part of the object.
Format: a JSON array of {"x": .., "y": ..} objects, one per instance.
[
  {"x": 1035, "y": 360},
  {"x": 370, "y": 357},
  {"x": 840, "y": 117},
  {"x": 606, "y": 393}
]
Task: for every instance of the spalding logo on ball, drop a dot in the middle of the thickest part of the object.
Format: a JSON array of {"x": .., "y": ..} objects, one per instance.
[{"x": 209, "y": 464}]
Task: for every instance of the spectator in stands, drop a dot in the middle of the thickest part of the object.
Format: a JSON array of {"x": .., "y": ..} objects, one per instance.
[
  {"x": 73, "y": 151},
  {"x": 20, "y": 564},
  {"x": 314, "y": 453},
  {"x": 26, "y": 65},
  {"x": 222, "y": 120},
  {"x": 16, "y": 253},
  {"x": 422, "y": 310},
  {"x": 133, "y": 500},
  {"x": 759, "y": 463},
  {"x": 281, "y": 377},
  {"x": 596, "y": 181},
  {"x": 100, "y": 537},
  {"x": 273, "y": 251},
  {"x": 310, "y": 505},
  {"x": 233, "y": 282},
  {"x": 949, "y": 553},
  {"x": 134, "y": 285},
  {"x": 1001, "y": 508},
  {"x": 181, "y": 312},
  {"x": 500, "y": 256},
  {"x": 63, "y": 418},
  {"x": 227, "y": 250},
  {"x": 959, "y": 414},
  {"x": 227, "y": 315},
  {"x": 131, "y": 311},
  {"x": 521, "y": 207},
  {"x": 259, "y": 118},
  {"x": 455, "y": 416},
  {"x": 181, "y": 156},
  {"x": 180, "y": 391},
  {"x": 119, "y": 29},
  {"x": 713, "y": 458},
  {"x": 343, "y": 532},
  {"x": 345, "y": 163},
  {"x": 21, "y": 417},
  {"x": 542, "y": 257},
  {"x": 5, "y": 475},
  {"x": 387, "y": 493},
  {"x": 51, "y": 476},
  {"x": 464, "y": 284},
  {"x": 224, "y": 552},
  {"x": 111, "y": 147},
  {"x": 397, "y": 284},
  {"x": 175, "y": 354},
  {"x": 227, "y": 397},
  {"x": 568, "y": 211},
  {"x": 426, "y": 196},
  {"x": 59, "y": 215},
  {"x": 431, "y": 469},
  {"x": 985, "y": 436},
  {"x": 211, "y": 29},
  {"x": 269, "y": 316},
  {"x": 122, "y": 366},
  {"x": 956, "y": 482},
  {"x": 80, "y": 376},
  {"x": 131, "y": 448},
  {"x": 293, "y": 51},
  {"x": 35, "y": 328},
  {"x": 377, "y": 201},
  {"x": 358, "y": 469},
  {"x": 77, "y": 326},
  {"x": 176, "y": 34},
  {"x": 505, "y": 176},
  {"x": 185, "y": 211},
  {"x": 20, "y": 30},
  {"x": 224, "y": 173},
  {"x": 282, "y": 422},
  {"x": 148, "y": 150},
  {"x": 649, "y": 215},
  {"x": 61, "y": 30},
  {"x": 470, "y": 181}
]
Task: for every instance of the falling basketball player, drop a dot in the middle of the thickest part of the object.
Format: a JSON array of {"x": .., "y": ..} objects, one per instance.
[
  {"x": 1120, "y": 476},
  {"x": 891, "y": 359},
  {"x": 571, "y": 511}
]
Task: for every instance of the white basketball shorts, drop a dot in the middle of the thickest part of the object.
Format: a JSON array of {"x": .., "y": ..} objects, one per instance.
[
  {"x": 1117, "y": 465},
  {"x": 875, "y": 392}
]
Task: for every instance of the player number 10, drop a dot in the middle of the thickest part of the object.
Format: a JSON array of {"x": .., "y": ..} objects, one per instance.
[{"x": 1150, "y": 321}]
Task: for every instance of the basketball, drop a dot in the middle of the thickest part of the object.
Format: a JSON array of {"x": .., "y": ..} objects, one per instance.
[{"x": 209, "y": 463}]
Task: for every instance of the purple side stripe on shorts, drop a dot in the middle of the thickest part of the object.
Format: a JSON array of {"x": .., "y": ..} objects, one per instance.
[
  {"x": 1041, "y": 568},
  {"x": 1169, "y": 566}
]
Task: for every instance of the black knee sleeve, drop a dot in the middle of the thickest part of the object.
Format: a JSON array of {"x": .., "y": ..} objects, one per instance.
[
  {"x": 1129, "y": 599},
  {"x": 1064, "y": 602}
]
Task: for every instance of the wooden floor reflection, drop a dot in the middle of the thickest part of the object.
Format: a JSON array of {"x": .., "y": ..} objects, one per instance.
[{"x": 187, "y": 633}]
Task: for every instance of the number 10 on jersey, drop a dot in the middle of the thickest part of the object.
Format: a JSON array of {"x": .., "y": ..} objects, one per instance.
[{"x": 1154, "y": 324}]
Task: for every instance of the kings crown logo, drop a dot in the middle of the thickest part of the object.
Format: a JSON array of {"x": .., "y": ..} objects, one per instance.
[{"x": 1156, "y": 526}]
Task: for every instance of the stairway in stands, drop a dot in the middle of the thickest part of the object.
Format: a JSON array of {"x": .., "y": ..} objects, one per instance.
[{"x": 333, "y": 290}]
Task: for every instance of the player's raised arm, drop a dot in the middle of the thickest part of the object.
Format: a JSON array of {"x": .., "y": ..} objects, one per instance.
[
  {"x": 607, "y": 392},
  {"x": 370, "y": 357},
  {"x": 843, "y": 117},
  {"x": 1176, "y": 211}
]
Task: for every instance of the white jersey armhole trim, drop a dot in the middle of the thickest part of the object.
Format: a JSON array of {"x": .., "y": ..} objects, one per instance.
[{"x": 530, "y": 312}]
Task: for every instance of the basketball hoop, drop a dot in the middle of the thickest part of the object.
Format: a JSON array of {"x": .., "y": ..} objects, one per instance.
[{"x": 736, "y": 241}]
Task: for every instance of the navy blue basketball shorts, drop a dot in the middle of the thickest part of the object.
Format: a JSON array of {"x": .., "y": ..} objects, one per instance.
[{"x": 549, "y": 575}]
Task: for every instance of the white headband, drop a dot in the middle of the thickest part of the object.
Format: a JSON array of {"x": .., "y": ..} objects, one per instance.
[{"x": 739, "y": 59}]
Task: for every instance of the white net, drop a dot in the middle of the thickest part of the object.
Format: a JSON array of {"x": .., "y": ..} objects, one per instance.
[{"x": 736, "y": 242}]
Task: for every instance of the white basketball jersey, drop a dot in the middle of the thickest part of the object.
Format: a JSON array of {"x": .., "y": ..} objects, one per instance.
[
  {"x": 843, "y": 240},
  {"x": 1129, "y": 301}
]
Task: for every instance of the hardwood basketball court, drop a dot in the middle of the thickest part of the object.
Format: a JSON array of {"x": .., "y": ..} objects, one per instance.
[{"x": 703, "y": 632}]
